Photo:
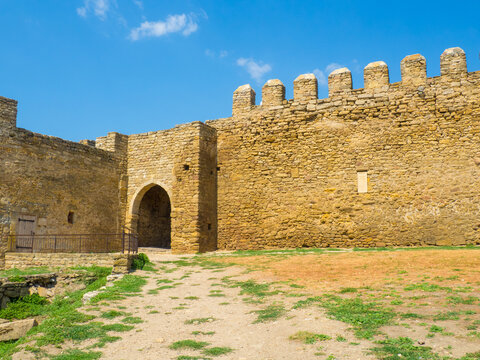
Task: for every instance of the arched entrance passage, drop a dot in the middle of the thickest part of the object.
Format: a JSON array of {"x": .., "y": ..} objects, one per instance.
[{"x": 154, "y": 221}]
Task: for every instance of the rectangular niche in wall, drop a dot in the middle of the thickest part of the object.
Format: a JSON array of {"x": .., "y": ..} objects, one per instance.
[{"x": 362, "y": 181}]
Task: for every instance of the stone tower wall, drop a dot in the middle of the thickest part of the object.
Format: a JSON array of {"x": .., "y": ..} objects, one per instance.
[
  {"x": 292, "y": 172},
  {"x": 46, "y": 178},
  {"x": 182, "y": 161}
]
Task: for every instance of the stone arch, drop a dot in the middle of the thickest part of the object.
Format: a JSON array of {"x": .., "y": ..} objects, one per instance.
[{"x": 151, "y": 216}]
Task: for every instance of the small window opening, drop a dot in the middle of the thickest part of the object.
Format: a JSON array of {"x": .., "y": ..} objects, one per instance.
[
  {"x": 186, "y": 167},
  {"x": 209, "y": 226},
  {"x": 362, "y": 182},
  {"x": 211, "y": 172},
  {"x": 218, "y": 168},
  {"x": 71, "y": 217}
]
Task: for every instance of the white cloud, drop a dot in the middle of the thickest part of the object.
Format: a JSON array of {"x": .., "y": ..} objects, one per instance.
[
  {"x": 321, "y": 78},
  {"x": 139, "y": 3},
  {"x": 99, "y": 8},
  {"x": 182, "y": 23},
  {"x": 213, "y": 54},
  {"x": 322, "y": 75},
  {"x": 255, "y": 69},
  {"x": 332, "y": 67}
]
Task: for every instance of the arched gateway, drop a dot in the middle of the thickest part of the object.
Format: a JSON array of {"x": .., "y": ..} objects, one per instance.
[{"x": 152, "y": 208}]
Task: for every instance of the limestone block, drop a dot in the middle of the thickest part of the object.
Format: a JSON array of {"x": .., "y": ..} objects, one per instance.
[
  {"x": 305, "y": 87},
  {"x": 339, "y": 81},
  {"x": 453, "y": 63},
  {"x": 273, "y": 93},
  {"x": 16, "y": 329},
  {"x": 414, "y": 70},
  {"x": 375, "y": 75},
  {"x": 243, "y": 99}
]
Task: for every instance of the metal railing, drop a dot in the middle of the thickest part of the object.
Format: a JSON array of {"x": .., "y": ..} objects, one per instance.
[{"x": 126, "y": 242}]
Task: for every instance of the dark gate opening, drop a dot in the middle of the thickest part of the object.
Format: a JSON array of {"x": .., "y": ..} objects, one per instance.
[{"x": 154, "y": 222}]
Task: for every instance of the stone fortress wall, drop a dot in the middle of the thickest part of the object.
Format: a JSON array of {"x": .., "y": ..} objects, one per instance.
[
  {"x": 387, "y": 165},
  {"x": 44, "y": 179},
  {"x": 390, "y": 164}
]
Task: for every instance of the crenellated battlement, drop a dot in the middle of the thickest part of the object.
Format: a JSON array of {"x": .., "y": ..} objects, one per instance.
[
  {"x": 8, "y": 113},
  {"x": 453, "y": 67}
]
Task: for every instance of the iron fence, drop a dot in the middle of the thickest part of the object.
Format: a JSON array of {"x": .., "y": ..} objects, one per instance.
[{"x": 126, "y": 242}]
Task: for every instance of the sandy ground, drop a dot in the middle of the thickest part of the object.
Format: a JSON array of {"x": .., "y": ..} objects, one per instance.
[
  {"x": 334, "y": 270},
  {"x": 175, "y": 295},
  {"x": 233, "y": 326}
]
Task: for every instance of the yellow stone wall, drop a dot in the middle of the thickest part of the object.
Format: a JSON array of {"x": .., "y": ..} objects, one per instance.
[
  {"x": 288, "y": 173},
  {"x": 160, "y": 158},
  {"x": 48, "y": 177}
]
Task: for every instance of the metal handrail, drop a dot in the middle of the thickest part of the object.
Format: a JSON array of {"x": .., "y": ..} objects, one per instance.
[{"x": 126, "y": 242}]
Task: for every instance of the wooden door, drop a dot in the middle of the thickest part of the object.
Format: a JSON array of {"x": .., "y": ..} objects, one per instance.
[{"x": 25, "y": 231}]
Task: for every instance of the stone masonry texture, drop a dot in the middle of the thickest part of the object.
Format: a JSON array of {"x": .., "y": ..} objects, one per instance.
[{"x": 281, "y": 174}]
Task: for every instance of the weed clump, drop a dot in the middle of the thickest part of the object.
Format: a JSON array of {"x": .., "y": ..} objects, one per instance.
[
  {"x": 366, "y": 317},
  {"x": 270, "y": 313},
  {"x": 403, "y": 347},
  {"x": 24, "y": 307},
  {"x": 309, "y": 337},
  {"x": 140, "y": 261},
  {"x": 188, "y": 344}
]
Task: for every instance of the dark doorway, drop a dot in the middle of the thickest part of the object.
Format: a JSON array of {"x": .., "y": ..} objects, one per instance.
[{"x": 154, "y": 222}]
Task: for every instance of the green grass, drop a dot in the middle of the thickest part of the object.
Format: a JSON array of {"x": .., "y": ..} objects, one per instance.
[
  {"x": 365, "y": 317},
  {"x": 469, "y": 300},
  {"x": 6, "y": 348},
  {"x": 188, "y": 357},
  {"x": 29, "y": 271},
  {"x": 203, "y": 332},
  {"x": 308, "y": 337},
  {"x": 217, "y": 351},
  {"x": 427, "y": 287},
  {"x": 449, "y": 315},
  {"x": 78, "y": 355},
  {"x": 164, "y": 287},
  {"x": 112, "y": 314},
  {"x": 436, "y": 329},
  {"x": 307, "y": 302},
  {"x": 270, "y": 313},
  {"x": 471, "y": 356},
  {"x": 403, "y": 348},
  {"x": 192, "y": 298},
  {"x": 199, "y": 320},
  {"x": 132, "y": 320},
  {"x": 252, "y": 288},
  {"x": 411, "y": 316},
  {"x": 16, "y": 278},
  {"x": 104, "y": 340},
  {"x": 128, "y": 285},
  {"x": 64, "y": 322},
  {"x": 348, "y": 290},
  {"x": 296, "y": 286},
  {"x": 188, "y": 344},
  {"x": 216, "y": 293},
  {"x": 117, "y": 327},
  {"x": 164, "y": 281},
  {"x": 24, "y": 307}
]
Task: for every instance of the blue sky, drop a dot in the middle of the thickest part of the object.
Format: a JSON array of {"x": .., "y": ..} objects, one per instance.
[{"x": 82, "y": 68}]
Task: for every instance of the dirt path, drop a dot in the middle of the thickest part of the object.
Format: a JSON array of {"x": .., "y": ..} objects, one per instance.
[{"x": 177, "y": 295}]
